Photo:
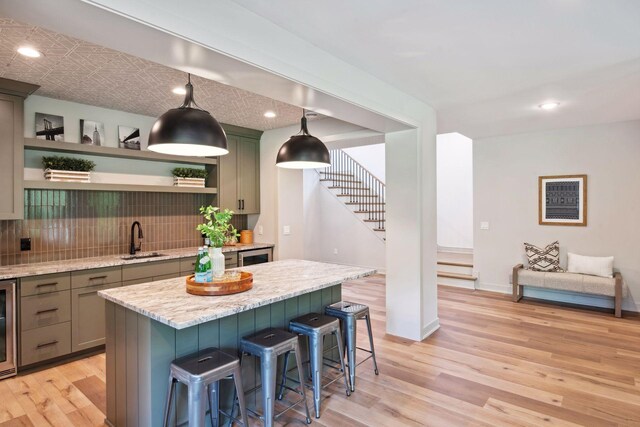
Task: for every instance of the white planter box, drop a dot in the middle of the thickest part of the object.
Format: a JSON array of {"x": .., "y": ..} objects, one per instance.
[
  {"x": 66, "y": 176},
  {"x": 188, "y": 182}
]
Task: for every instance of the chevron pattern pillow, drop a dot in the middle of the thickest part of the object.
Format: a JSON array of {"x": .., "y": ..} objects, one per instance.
[{"x": 544, "y": 259}]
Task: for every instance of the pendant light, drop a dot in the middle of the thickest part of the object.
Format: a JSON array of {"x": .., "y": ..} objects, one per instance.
[
  {"x": 188, "y": 131},
  {"x": 303, "y": 151}
]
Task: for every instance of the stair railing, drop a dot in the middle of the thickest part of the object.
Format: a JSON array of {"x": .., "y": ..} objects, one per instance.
[{"x": 364, "y": 190}]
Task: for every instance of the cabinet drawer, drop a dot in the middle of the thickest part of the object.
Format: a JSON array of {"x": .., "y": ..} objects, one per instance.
[
  {"x": 44, "y": 284},
  {"x": 150, "y": 269},
  {"x": 96, "y": 277},
  {"x": 37, "y": 311},
  {"x": 45, "y": 343}
]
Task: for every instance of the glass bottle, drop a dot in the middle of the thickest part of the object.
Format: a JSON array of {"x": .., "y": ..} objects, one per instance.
[{"x": 201, "y": 268}]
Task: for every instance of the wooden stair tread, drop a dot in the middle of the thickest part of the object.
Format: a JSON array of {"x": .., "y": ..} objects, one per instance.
[
  {"x": 379, "y": 229},
  {"x": 456, "y": 264},
  {"x": 456, "y": 275},
  {"x": 365, "y": 212},
  {"x": 336, "y": 173},
  {"x": 350, "y": 188},
  {"x": 364, "y": 203},
  {"x": 373, "y": 220},
  {"x": 356, "y": 195},
  {"x": 341, "y": 180}
]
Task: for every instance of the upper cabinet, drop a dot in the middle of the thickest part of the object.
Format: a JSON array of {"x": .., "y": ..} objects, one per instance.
[
  {"x": 12, "y": 96},
  {"x": 239, "y": 183}
]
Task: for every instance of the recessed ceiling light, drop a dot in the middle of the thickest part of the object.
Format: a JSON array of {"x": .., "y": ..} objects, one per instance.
[
  {"x": 270, "y": 114},
  {"x": 179, "y": 90},
  {"x": 29, "y": 52},
  {"x": 549, "y": 105}
]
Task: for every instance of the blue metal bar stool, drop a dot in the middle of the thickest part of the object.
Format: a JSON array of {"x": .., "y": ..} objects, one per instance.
[
  {"x": 349, "y": 313},
  {"x": 315, "y": 327},
  {"x": 268, "y": 344},
  {"x": 201, "y": 373}
]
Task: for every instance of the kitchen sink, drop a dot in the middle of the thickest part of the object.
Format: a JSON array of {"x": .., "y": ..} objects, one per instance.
[{"x": 141, "y": 256}]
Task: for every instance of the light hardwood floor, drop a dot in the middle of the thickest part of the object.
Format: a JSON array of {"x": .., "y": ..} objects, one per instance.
[{"x": 492, "y": 363}]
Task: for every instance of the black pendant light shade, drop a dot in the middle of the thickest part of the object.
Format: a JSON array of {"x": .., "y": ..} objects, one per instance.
[
  {"x": 188, "y": 131},
  {"x": 303, "y": 151}
]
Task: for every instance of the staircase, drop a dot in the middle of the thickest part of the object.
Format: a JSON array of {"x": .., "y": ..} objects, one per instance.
[{"x": 357, "y": 189}]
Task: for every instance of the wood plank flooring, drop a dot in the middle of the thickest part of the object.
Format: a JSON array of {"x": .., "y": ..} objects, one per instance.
[{"x": 492, "y": 363}]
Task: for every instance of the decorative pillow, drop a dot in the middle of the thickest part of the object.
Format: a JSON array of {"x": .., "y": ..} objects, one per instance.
[
  {"x": 547, "y": 259},
  {"x": 592, "y": 265}
]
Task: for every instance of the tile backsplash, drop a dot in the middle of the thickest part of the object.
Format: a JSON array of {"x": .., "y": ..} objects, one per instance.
[{"x": 66, "y": 224}]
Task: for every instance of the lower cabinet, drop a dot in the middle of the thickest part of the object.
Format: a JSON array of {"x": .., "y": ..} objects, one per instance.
[
  {"x": 88, "y": 317},
  {"x": 45, "y": 343}
]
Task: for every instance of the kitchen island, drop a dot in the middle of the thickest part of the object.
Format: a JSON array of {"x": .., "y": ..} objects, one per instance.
[{"x": 150, "y": 324}]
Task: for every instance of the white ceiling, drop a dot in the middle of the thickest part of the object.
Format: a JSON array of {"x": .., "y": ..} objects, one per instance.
[
  {"x": 485, "y": 65},
  {"x": 79, "y": 71}
]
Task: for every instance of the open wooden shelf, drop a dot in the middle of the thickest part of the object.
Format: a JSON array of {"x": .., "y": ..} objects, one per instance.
[
  {"x": 49, "y": 185},
  {"x": 93, "y": 150}
]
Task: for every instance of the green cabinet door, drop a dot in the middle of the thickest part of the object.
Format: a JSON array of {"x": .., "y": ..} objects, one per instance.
[
  {"x": 228, "y": 182},
  {"x": 12, "y": 158},
  {"x": 249, "y": 175},
  {"x": 88, "y": 317}
]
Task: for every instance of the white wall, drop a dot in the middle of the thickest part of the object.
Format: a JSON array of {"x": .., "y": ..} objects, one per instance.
[
  {"x": 371, "y": 157},
  {"x": 73, "y": 112},
  {"x": 331, "y": 226},
  {"x": 455, "y": 191},
  {"x": 506, "y": 170}
]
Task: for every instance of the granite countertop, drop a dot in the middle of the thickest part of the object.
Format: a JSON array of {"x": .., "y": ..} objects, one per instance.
[
  {"x": 24, "y": 270},
  {"x": 168, "y": 302}
]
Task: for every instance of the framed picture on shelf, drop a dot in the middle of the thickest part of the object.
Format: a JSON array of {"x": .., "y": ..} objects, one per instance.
[
  {"x": 91, "y": 133},
  {"x": 562, "y": 200},
  {"x": 128, "y": 137},
  {"x": 49, "y": 127}
]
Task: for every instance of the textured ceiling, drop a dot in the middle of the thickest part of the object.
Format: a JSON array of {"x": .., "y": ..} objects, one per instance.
[{"x": 74, "y": 70}]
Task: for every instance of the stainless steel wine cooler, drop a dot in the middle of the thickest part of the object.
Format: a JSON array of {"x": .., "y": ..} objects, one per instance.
[{"x": 7, "y": 329}]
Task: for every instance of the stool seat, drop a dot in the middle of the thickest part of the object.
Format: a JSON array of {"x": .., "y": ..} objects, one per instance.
[
  {"x": 346, "y": 308},
  {"x": 269, "y": 340},
  {"x": 203, "y": 365},
  {"x": 314, "y": 323}
]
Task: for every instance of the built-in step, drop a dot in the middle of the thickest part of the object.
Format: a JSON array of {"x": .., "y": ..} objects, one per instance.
[{"x": 456, "y": 269}]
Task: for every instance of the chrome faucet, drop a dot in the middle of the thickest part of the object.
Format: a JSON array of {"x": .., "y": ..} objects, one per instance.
[{"x": 132, "y": 247}]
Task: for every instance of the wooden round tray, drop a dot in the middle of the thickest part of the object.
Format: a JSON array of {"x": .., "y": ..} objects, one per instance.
[{"x": 221, "y": 287}]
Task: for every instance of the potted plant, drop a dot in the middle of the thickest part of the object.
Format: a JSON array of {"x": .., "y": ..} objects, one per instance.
[
  {"x": 67, "y": 169},
  {"x": 189, "y": 177},
  {"x": 218, "y": 229}
]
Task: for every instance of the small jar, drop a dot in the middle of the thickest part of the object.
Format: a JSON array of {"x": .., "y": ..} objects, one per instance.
[{"x": 246, "y": 237}]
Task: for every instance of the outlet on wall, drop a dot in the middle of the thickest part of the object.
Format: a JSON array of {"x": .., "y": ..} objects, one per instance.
[
  {"x": 25, "y": 244},
  {"x": 335, "y": 251},
  {"x": 484, "y": 225},
  {"x": 260, "y": 230},
  {"x": 286, "y": 230}
]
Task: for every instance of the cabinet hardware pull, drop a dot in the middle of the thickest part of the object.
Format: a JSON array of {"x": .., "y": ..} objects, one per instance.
[
  {"x": 242, "y": 204},
  {"x": 42, "y": 285},
  {"x": 97, "y": 277},
  {"x": 50, "y": 310},
  {"x": 239, "y": 204},
  {"x": 47, "y": 344}
]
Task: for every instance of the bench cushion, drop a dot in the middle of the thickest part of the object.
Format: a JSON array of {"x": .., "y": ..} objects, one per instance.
[{"x": 572, "y": 282}]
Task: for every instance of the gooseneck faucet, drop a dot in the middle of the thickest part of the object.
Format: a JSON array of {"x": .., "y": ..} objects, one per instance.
[{"x": 132, "y": 247}]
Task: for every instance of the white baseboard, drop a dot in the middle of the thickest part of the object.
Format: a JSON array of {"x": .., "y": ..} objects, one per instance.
[
  {"x": 455, "y": 250},
  {"x": 493, "y": 287},
  {"x": 433, "y": 326}
]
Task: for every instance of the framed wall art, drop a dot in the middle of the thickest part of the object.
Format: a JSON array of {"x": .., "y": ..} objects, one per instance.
[{"x": 562, "y": 200}]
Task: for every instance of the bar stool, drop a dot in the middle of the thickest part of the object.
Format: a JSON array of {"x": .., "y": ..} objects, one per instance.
[
  {"x": 315, "y": 326},
  {"x": 349, "y": 313},
  {"x": 201, "y": 373},
  {"x": 268, "y": 344}
]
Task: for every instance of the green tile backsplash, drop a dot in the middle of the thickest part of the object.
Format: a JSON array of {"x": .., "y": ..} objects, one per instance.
[{"x": 79, "y": 224}]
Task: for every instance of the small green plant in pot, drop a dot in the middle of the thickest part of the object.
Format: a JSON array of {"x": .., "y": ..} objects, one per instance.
[
  {"x": 67, "y": 169},
  {"x": 189, "y": 177},
  {"x": 218, "y": 229}
]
